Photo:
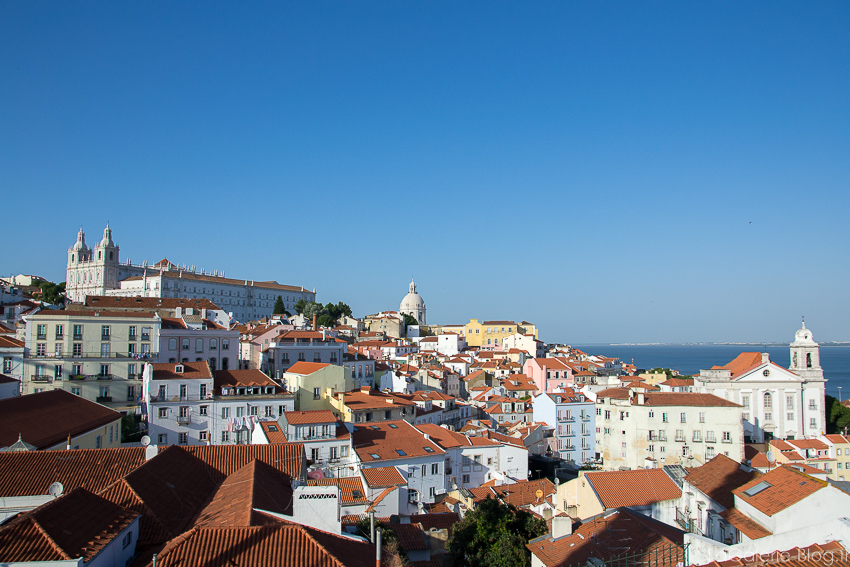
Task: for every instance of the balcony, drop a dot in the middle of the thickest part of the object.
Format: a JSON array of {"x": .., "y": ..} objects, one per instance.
[
  {"x": 40, "y": 378},
  {"x": 710, "y": 439},
  {"x": 41, "y": 337},
  {"x": 104, "y": 399},
  {"x": 105, "y": 376},
  {"x": 146, "y": 337},
  {"x": 662, "y": 436},
  {"x": 680, "y": 439},
  {"x": 183, "y": 420},
  {"x": 78, "y": 337}
]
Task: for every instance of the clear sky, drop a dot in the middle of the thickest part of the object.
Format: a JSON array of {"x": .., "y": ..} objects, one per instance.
[{"x": 625, "y": 171}]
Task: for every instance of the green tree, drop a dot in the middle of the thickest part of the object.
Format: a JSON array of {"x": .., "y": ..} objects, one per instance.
[
  {"x": 325, "y": 320},
  {"x": 313, "y": 308},
  {"x": 409, "y": 320},
  {"x": 279, "y": 308},
  {"x": 51, "y": 292},
  {"x": 300, "y": 305},
  {"x": 837, "y": 416},
  {"x": 495, "y": 535},
  {"x": 389, "y": 540}
]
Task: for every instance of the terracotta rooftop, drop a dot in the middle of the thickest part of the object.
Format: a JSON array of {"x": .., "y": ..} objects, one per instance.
[
  {"x": 785, "y": 486},
  {"x": 273, "y": 432},
  {"x": 741, "y": 363},
  {"x": 639, "y": 487},
  {"x": 613, "y": 393},
  {"x": 309, "y": 417},
  {"x": 93, "y": 469},
  {"x": 266, "y": 545},
  {"x": 687, "y": 399},
  {"x": 351, "y": 490},
  {"x": 391, "y": 440},
  {"x": 305, "y": 368},
  {"x": 382, "y": 477},
  {"x": 410, "y": 536},
  {"x": 248, "y": 378},
  {"x": 255, "y": 485},
  {"x": 524, "y": 492},
  {"x": 611, "y": 536},
  {"x": 191, "y": 371},
  {"x": 358, "y": 400},
  {"x": 747, "y": 525},
  {"x": 78, "y": 524},
  {"x": 10, "y": 342},
  {"x": 46, "y": 419},
  {"x": 227, "y": 459},
  {"x": 719, "y": 477}
]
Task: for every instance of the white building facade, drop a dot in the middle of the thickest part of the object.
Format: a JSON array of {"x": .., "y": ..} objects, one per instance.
[{"x": 573, "y": 419}]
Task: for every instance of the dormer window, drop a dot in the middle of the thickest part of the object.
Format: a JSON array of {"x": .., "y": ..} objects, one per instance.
[{"x": 178, "y": 369}]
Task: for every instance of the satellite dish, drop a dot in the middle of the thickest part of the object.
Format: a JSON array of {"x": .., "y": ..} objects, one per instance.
[
  {"x": 539, "y": 494},
  {"x": 316, "y": 475},
  {"x": 771, "y": 458},
  {"x": 145, "y": 440},
  {"x": 56, "y": 489}
]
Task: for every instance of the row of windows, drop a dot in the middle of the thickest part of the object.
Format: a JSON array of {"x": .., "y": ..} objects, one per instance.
[
  {"x": 185, "y": 344},
  {"x": 105, "y": 332},
  {"x": 77, "y": 371},
  {"x": 767, "y": 402}
]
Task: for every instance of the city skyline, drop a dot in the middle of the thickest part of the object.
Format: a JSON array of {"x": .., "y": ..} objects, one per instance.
[{"x": 610, "y": 172}]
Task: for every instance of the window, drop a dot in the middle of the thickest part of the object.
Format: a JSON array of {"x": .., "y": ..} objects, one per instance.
[
  {"x": 104, "y": 370},
  {"x": 435, "y": 468},
  {"x": 98, "y": 442},
  {"x": 664, "y": 417},
  {"x": 316, "y": 395},
  {"x": 225, "y": 413},
  {"x": 813, "y": 423},
  {"x": 431, "y": 492},
  {"x": 225, "y": 344},
  {"x": 253, "y": 410},
  {"x": 172, "y": 344},
  {"x": 184, "y": 344},
  {"x": 7, "y": 364},
  {"x": 199, "y": 345},
  {"x": 727, "y": 437},
  {"x": 104, "y": 332},
  {"x": 240, "y": 411},
  {"x": 183, "y": 394},
  {"x": 702, "y": 417},
  {"x": 424, "y": 470},
  {"x": 789, "y": 402},
  {"x": 213, "y": 344},
  {"x": 76, "y": 391},
  {"x": 41, "y": 332},
  {"x": 40, "y": 349},
  {"x": 131, "y": 371},
  {"x": 128, "y": 539},
  {"x": 813, "y": 404},
  {"x": 745, "y": 401},
  {"x": 466, "y": 479},
  {"x": 183, "y": 438},
  {"x": 768, "y": 401},
  {"x": 203, "y": 435},
  {"x": 146, "y": 333},
  {"x": 131, "y": 335},
  {"x": 57, "y": 348},
  {"x": 57, "y": 372},
  {"x": 203, "y": 390},
  {"x": 225, "y": 436},
  {"x": 78, "y": 332},
  {"x": 683, "y": 417},
  {"x": 163, "y": 439}
]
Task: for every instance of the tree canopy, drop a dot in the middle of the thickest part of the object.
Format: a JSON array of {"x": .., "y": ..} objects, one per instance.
[
  {"x": 494, "y": 534},
  {"x": 409, "y": 320},
  {"x": 279, "y": 308},
  {"x": 837, "y": 416},
  {"x": 299, "y": 306},
  {"x": 326, "y": 315},
  {"x": 51, "y": 292}
]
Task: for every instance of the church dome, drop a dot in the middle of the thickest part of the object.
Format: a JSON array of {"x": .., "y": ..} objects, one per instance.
[
  {"x": 413, "y": 304},
  {"x": 81, "y": 241}
]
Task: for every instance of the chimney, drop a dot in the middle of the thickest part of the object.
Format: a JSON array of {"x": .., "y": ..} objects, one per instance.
[
  {"x": 314, "y": 321},
  {"x": 561, "y": 526},
  {"x": 641, "y": 398},
  {"x": 765, "y": 357},
  {"x": 378, "y": 549}
]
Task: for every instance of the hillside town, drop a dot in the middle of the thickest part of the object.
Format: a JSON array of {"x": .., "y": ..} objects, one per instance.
[{"x": 159, "y": 415}]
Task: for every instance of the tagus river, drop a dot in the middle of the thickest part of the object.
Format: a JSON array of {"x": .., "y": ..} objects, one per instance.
[{"x": 690, "y": 359}]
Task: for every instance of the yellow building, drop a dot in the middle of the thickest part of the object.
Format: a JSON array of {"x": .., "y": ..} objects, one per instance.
[
  {"x": 493, "y": 333},
  {"x": 840, "y": 445},
  {"x": 313, "y": 384}
]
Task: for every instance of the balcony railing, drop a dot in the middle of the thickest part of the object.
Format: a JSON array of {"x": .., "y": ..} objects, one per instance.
[
  {"x": 104, "y": 399},
  {"x": 710, "y": 439},
  {"x": 680, "y": 438},
  {"x": 192, "y": 398},
  {"x": 183, "y": 419},
  {"x": 78, "y": 336},
  {"x": 126, "y": 355},
  {"x": 104, "y": 376},
  {"x": 41, "y": 378}
]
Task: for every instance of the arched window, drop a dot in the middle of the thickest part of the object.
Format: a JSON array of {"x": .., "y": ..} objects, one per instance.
[
  {"x": 225, "y": 363},
  {"x": 212, "y": 364},
  {"x": 808, "y": 360},
  {"x": 768, "y": 401}
]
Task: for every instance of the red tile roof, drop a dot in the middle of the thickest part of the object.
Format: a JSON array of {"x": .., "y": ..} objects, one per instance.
[
  {"x": 719, "y": 477},
  {"x": 524, "y": 492},
  {"x": 385, "y": 440},
  {"x": 305, "y": 368},
  {"x": 48, "y": 418},
  {"x": 309, "y": 417},
  {"x": 747, "y": 525},
  {"x": 687, "y": 399},
  {"x": 787, "y": 487},
  {"x": 78, "y": 524},
  {"x": 351, "y": 490},
  {"x": 357, "y": 400},
  {"x": 227, "y": 459},
  {"x": 612, "y": 536},
  {"x": 256, "y": 485},
  {"x": 741, "y": 363},
  {"x": 639, "y": 487},
  {"x": 191, "y": 371},
  {"x": 613, "y": 393},
  {"x": 273, "y": 432},
  {"x": 93, "y": 469},
  {"x": 410, "y": 536},
  {"x": 291, "y": 545},
  {"x": 10, "y": 342},
  {"x": 247, "y": 378},
  {"x": 382, "y": 477}
]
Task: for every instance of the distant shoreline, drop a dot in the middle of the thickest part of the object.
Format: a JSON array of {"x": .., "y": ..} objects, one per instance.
[{"x": 761, "y": 344}]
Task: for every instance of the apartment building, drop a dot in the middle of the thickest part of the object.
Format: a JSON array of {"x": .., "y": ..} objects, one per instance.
[{"x": 572, "y": 417}]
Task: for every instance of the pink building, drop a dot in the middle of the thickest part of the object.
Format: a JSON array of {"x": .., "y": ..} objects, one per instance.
[{"x": 549, "y": 374}]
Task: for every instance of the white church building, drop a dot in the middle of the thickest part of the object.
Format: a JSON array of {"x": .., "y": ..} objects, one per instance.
[
  {"x": 413, "y": 305},
  {"x": 778, "y": 403},
  {"x": 98, "y": 271}
]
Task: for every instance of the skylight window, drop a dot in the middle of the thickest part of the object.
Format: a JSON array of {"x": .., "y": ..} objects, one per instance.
[
  {"x": 356, "y": 494},
  {"x": 428, "y": 449},
  {"x": 400, "y": 452},
  {"x": 374, "y": 427},
  {"x": 375, "y": 455},
  {"x": 763, "y": 485},
  {"x": 272, "y": 427},
  {"x": 393, "y": 426}
]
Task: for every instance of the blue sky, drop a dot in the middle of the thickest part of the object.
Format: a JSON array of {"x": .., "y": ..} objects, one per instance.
[{"x": 623, "y": 171}]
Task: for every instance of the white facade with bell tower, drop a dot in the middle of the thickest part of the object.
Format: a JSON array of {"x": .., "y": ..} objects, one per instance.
[
  {"x": 805, "y": 355},
  {"x": 91, "y": 271},
  {"x": 413, "y": 304}
]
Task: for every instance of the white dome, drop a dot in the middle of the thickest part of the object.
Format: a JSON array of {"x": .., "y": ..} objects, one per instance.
[
  {"x": 413, "y": 304},
  {"x": 803, "y": 336}
]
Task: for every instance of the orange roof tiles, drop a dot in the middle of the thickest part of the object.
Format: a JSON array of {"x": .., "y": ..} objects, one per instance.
[
  {"x": 719, "y": 477},
  {"x": 227, "y": 459},
  {"x": 382, "y": 477},
  {"x": 305, "y": 368},
  {"x": 273, "y": 432},
  {"x": 391, "y": 440},
  {"x": 351, "y": 490},
  {"x": 741, "y": 363},
  {"x": 291, "y": 545},
  {"x": 78, "y": 524},
  {"x": 48, "y": 418},
  {"x": 639, "y": 487},
  {"x": 93, "y": 469},
  {"x": 612, "y": 536},
  {"x": 613, "y": 393},
  {"x": 191, "y": 371},
  {"x": 747, "y": 525},
  {"x": 255, "y": 485},
  {"x": 687, "y": 399},
  {"x": 10, "y": 342},
  {"x": 787, "y": 486},
  {"x": 357, "y": 400},
  {"x": 247, "y": 378},
  {"x": 309, "y": 417},
  {"x": 524, "y": 492}
]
